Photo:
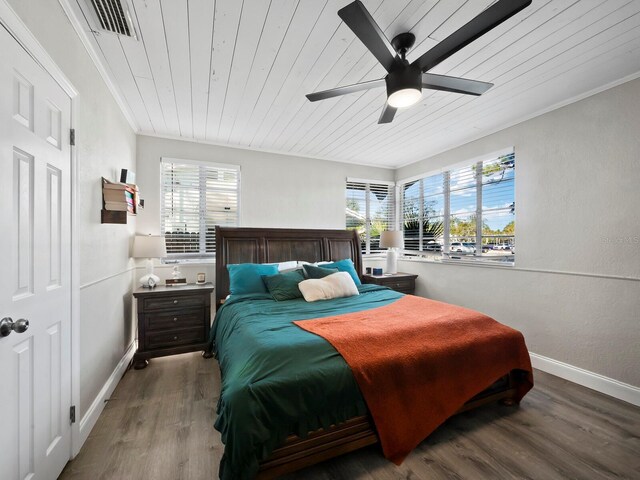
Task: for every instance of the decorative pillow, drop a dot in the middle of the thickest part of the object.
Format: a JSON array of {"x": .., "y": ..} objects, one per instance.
[
  {"x": 247, "y": 277},
  {"x": 345, "y": 265},
  {"x": 336, "y": 285},
  {"x": 318, "y": 272},
  {"x": 284, "y": 266},
  {"x": 284, "y": 286},
  {"x": 287, "y": 266},
  {"x": 301, "y": 264}
]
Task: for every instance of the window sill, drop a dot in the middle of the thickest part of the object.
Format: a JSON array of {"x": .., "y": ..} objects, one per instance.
[
  {"x": 464, "y": 262},
  {"x": 188, "y": 261},
  {"x": 373, "y": 256}
]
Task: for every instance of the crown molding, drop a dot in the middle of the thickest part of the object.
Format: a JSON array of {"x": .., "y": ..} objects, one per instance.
[
  {"x": 555, "y": 106},
  {"x": 76, "y": 22},
  {"x": 19, "y": 31},
  {"x": 261, "y": 150}
]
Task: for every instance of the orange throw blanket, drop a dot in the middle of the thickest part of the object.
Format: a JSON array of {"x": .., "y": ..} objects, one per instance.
[{"x": 417, "y": 361}]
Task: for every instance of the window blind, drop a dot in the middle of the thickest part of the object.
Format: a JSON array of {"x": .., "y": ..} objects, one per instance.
[
  {"x": 423, "y": 213},
  {"x": 463, "y": 200},
  {"x": 370, "y": 209},
  {"x": 195, "y": 197},
  {"x": 465, "y": 211}
]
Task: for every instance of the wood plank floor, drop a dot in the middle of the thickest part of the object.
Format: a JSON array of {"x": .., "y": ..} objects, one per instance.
[{"x": 159, "y": 425}]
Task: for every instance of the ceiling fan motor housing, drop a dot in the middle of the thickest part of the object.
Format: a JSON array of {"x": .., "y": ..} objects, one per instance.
[{"x": 403, "y": 78}]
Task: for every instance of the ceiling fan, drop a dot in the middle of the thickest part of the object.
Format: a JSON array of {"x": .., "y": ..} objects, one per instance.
[{"x": 405, "y": 80}]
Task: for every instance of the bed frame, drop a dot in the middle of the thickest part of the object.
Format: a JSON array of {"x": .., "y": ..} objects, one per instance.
[
  {"x": 273, "y": 245},
  {"x": 264, "y": 245}
]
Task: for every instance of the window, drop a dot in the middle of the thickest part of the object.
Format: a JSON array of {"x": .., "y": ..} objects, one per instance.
[
  {"x": 370, "y": 209},
  {"x": 423, "y": 206},
  {"x": 195, "y": 197},
  {"x": 463, "y": 212}
]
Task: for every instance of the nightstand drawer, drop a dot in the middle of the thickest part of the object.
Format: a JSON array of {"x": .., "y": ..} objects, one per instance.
[
  {"x": 400, "y": 282},
  {"x": 183, "y": 319},
  {"x": 400, "y": 285},
  {"x": 177, "y": 301},
  {"x": 174, "y": 338}
]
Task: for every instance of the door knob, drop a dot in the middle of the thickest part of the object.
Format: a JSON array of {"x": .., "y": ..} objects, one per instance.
[{"x": 7, "y": 325}]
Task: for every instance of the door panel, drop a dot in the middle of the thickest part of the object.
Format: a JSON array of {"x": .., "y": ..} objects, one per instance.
[
  {"x": 36, "y": 281},
  {"x": 54, "y": 227},
  {"x": 24, "y": 380},
  {"x": 23, "y": 222}
]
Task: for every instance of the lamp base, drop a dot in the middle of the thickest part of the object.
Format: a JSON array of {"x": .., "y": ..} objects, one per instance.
[
  {"x": 149, "y": 280},
  {"x": 392, "y": 261}
]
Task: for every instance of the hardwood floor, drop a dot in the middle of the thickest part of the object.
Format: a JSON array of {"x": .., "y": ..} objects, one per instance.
[{"x": 159, "y": 425}]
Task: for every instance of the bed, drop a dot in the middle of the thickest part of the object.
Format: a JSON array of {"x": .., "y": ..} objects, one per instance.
[{"x": 288, "y": 399}]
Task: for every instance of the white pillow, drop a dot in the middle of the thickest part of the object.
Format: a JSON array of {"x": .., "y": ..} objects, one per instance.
[
  {"x": 284, "y": 266},
  {"x": 336, "y": 285},
  {"x": 288, "y": 266},
  {"x": 302, "y": 263}
]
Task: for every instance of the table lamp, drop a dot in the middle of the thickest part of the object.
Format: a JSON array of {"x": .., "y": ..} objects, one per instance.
[
  {"x": 392, "y": 239},
  {"x": 149, "y": 247}
]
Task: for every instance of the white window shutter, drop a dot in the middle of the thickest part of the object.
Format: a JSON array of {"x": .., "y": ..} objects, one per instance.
[{"x": 195, "y": 197}]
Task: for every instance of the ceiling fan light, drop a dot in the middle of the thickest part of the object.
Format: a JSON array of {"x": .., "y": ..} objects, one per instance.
[{"x": 404, "y": 97}]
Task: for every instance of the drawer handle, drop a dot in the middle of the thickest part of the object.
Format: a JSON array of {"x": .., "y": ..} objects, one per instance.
[
  {"x": 175, "y": 302},
  {"x": 175, "y": 319},
  {"x": 175, "y": 338}
]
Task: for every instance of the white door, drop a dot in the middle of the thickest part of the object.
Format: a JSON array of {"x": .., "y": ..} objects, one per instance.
[{"x": 35, "y": 365}]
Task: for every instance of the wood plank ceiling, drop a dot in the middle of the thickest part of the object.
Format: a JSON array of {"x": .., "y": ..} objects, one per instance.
[{"x": 236, "y": 71}]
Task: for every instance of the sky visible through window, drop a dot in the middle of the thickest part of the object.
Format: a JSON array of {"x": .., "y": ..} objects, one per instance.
[{"x": 427, "y": 214}]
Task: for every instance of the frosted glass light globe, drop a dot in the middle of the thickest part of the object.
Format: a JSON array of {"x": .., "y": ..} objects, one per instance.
[{"x": 404, "y": 98}]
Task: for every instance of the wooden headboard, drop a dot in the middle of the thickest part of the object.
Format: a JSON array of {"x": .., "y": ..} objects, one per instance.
[{"x": 272, "y": 245}]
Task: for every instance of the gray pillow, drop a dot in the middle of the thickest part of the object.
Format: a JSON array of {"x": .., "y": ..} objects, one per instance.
[{"x": 311, "y": 271}]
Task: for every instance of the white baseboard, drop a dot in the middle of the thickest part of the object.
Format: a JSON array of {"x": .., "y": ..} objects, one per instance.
[
  {"x": 90, "y": 418},
  {"x": 597, "y": 382},
  {"x": 594, "y": 381}
]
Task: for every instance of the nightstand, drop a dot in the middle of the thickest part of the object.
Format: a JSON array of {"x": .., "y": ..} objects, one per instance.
[
  {"x": 172, "y": 320},
  {"x": 400, "y": 282}
]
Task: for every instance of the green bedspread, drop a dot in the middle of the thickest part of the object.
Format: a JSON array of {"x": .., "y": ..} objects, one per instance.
[{"x": 278, "y": 379}]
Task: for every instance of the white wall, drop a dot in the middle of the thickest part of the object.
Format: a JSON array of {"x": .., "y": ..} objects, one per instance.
[
  {"x": 577, "y": 198},
  {"x": 105, "y": 143},
  {"x": 276, "y": 190}
]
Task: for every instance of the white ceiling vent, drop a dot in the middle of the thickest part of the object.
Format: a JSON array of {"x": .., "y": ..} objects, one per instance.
[{"x": 114, "y": 16}]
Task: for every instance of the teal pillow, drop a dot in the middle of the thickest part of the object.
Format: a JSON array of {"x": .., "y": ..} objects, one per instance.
[
  {"x": 311, "y": 271},
  {"x": 284, "y": 286},
  {"x": 247, "y": 277},
  {"x": 345, "y": 265}
]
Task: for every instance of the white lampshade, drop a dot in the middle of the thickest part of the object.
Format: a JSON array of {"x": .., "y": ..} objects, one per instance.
[
  {"x": 391, "y": 239},
  {"x": 149, "y": 246}
]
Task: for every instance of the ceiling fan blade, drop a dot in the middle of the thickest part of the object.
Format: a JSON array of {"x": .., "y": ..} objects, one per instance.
[
  {"x": 454, "y": 84},
  {"x": 335, "y": 92},
  {"x": 358, "y": 19},
  {"x": 388, "y": 112},
  {"x": 487, "y": 20}
]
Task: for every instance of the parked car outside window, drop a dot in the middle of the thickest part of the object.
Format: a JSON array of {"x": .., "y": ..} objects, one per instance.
[
  {"x": 433, "y": 246},
  {"x": 460, "y": 247}
]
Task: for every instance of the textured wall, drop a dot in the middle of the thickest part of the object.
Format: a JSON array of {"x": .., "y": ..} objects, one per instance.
[
  {"x": 577, "y": 197},
  {"x": 276, "y": 190}
]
